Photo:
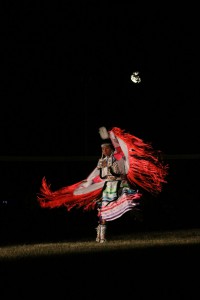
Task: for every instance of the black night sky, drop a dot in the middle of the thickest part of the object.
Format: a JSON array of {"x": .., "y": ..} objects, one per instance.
[{"x": 66, "y": 71}]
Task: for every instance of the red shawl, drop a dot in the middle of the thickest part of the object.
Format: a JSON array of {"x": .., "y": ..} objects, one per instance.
[{"x": 144, "y": 168}]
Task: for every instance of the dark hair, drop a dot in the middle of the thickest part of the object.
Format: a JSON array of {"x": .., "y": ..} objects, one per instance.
[{"x": 108, "y": 145}]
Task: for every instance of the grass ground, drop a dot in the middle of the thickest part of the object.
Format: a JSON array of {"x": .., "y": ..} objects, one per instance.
[
  {"x": 131, "y": 242},
  {"x": 158, "y": 264}
]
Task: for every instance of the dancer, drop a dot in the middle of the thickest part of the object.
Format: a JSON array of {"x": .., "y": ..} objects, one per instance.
[{"x": 128, "y": 166}]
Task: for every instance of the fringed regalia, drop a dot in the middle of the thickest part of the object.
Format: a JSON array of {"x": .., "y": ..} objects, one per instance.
[{"x": 143, "y": 169}]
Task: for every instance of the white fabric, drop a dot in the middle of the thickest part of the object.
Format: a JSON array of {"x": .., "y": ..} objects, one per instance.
[{"x": 88, "y": 185}]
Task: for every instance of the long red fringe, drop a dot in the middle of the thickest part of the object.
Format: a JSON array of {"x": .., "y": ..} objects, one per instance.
[
  {"x": 146, "y": 169},
  {"x": 65, "y": 197}
]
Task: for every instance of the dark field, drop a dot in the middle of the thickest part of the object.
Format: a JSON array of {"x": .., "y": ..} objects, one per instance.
[
  {"x": 163, "y": 265},
  {"x": 53, "y": 253}
]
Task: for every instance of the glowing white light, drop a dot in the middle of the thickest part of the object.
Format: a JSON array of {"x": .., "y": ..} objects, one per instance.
[{"x": 135, "y": 77}]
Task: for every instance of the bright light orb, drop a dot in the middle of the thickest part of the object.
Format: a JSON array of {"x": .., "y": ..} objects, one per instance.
[{"x": 135, "y": 77}]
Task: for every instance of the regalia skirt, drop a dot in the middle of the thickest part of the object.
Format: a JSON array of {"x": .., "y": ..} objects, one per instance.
[{"x": 117, "y": 199}]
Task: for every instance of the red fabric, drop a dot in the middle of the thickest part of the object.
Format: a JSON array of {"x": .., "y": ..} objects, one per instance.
[
  {"x": 119, "y": 154},
  {"x": 145, "y": 169},
  {"x": 65, "y": 197},
  {"x": 96, "y": 179},
  {"x": 145, "y": 166}
]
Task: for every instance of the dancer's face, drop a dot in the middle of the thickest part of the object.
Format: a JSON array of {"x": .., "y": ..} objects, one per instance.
[{"x": 106, "y": 150}]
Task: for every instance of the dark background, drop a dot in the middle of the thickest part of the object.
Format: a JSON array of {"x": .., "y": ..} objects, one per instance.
[{"x": 65, "y": 71}]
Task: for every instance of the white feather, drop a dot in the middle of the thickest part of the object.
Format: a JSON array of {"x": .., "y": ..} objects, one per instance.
[{"x": 103, "y": 133}]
